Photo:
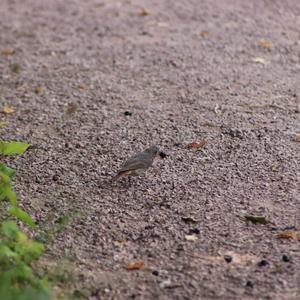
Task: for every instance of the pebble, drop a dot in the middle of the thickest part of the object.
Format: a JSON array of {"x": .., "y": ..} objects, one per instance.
[
  {"x": 228, "y": 258},
  {"x": 263, "y": 263},
  {"x": 286, "y": 258}
]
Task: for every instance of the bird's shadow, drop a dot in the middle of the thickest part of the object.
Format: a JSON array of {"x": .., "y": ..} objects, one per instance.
[{"x": 124, "y": 182}]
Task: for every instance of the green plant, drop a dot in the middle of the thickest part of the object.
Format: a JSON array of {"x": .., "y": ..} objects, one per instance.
[{"x": 19, "y": 279}]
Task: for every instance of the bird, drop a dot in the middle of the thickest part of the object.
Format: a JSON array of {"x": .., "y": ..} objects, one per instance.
[{"x": 138, "y": 163}]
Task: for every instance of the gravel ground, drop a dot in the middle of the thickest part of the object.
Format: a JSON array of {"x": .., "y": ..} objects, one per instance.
[{"x": 93, "y": 82}]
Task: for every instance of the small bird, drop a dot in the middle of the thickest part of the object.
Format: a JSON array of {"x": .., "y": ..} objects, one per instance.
[{"x": 138, "y": 163}]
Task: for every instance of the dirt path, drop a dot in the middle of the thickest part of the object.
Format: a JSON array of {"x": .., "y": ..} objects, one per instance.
[{"x": 223, "y": 71}]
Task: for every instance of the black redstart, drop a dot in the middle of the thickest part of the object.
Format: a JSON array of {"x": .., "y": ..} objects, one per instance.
[{"x": 138, "y": 163}]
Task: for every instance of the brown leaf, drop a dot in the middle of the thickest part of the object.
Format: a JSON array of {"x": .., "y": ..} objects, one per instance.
[
  {"x": 144, "y": 13},
  {"x": 72, "y": 108},
  {"x": 39, "y": 89},
  {"x": 256, "y": 219},
  {"x": 288, "y": 235},
  {"x": 297, "y": 137},
  {"x": 8, "y": 51},
  {"x": 16, "y": 68},
  {"x": 7, "y": 109},
  {"x": 83, "y": 87},
  {"x": 265, "y": 44},
  {"x": 204, "y": 33},
  {"x": 196, "y": 145},
  {"x": 135, "y": 265}
]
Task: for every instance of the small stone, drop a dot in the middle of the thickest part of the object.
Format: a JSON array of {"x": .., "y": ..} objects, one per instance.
[
  {"x": 162, "y": 154},
  {"x": 228, "y": 258},
  {"x": 263, "y": 263},
  {"x": 155, "y": 273},
  {"x": 128, "y": 113},
  {"x": 249, "y": 284},
  {"x": 165, "y": 284},
  {"x": 55, "y": 177},
  {"x": 286, "y": 258},
  {"x": 180, "y": 248},
  {"x": 194, "y": 230}
]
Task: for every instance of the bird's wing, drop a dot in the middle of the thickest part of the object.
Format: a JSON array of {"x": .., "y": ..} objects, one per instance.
[{"x": 133, "y": 163}]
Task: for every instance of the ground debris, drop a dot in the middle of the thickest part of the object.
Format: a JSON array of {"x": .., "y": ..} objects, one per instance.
[
  {"x": 259, "y": 60},
  {"x": 256, "y": 219},
  {"x": 288, "y": 235},
  {"x": 7, "y": 109},
  {"x": 265, "y": 44},
  {"x": 8, "y": 51},
  {"x": 196, "y": 145},
  {"x": 144, "y": 13},
  {"x": 191, "y": 237},
  {"x": 136, "y": 265}
]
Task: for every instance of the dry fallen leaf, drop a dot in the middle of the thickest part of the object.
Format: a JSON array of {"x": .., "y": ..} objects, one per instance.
[
  {"x": 256, "y": 219},
  {"x": 236, "y": 258},
  {"x": 16, "y": 68},
  {"x": 196, "y": 145},
  {"x": 191, "y": 237},
  {"x": 265, "y": 44},
  {"x": 83, "y": 87},
  {"x": 297, "y": 137},
  {"x": 2, "y": 124},
  {"x": 39, "y": 89},
  {"x": 288, "y": 235},
  {"x": 144, "y": 12},
  {"x": 8, "y": 51},
  {"x": 136, "y": 265},
  {"x": 204, "y": 34},
  {"x": 72, "y": 108},
  {"x": 259, "y": 60},
  {"x": 7, "y": 109}
]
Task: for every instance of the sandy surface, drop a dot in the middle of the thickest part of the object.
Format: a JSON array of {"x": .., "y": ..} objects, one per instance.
[{"x": 186, "y": 71}]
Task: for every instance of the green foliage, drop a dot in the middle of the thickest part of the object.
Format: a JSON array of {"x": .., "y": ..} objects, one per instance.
[
  {"x": 18, "y": 278},
  {"x": 12, "y": 148},
  {"x": 22, "y": 215}
]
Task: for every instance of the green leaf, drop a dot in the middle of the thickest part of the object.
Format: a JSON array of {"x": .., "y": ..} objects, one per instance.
[
  {"x": 11, "y": 196},
  {"x": 5, "y": 179},
  {"x": 7, "y": 170},
  {"x": 22, "y": 215},
  {"x": 28, "y": 249},
  {"x": 10, "y": 229},
  {"x": 6, "y": 191},
  {"x": 256, "y": 219},
  {"x": 6, "y": 251},
  {"x": 11, "y": 148}
]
